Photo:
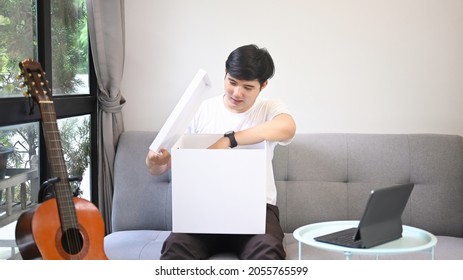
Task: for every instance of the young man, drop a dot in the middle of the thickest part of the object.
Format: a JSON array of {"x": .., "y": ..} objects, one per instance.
[{"x": 244, "y": 119}]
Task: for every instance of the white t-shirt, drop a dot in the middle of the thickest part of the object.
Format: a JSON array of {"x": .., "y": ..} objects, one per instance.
[{"x": 213, "y": 117}]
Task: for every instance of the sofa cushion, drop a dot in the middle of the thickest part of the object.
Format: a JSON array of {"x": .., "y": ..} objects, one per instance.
[
  {"x": 147, "y": 244},
  {"x": 135, "y": 244}
]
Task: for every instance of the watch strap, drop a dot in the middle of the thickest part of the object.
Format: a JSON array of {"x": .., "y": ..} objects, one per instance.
[{"x": 231, "y": 136}]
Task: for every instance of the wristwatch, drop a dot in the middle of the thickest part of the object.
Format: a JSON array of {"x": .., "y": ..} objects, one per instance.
[{"x": 231, "y": 136}]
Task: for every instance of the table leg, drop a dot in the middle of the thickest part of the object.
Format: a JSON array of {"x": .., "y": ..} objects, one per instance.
[
  {"x": 348, "y": 255},
  {"x": 13, "y": 252},
  {"x": 300, "y": 250}
]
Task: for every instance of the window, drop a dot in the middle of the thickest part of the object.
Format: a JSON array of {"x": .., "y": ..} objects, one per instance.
[{"x": 54, "y": 33}]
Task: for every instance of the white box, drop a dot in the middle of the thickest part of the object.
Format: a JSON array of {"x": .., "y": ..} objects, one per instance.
[
  {"x": 218, "y": 191},
  {"x": 213, "y": 191}
]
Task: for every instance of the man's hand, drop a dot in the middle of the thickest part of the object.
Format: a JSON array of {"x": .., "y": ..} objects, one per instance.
[{"x": 158, "y": 162}]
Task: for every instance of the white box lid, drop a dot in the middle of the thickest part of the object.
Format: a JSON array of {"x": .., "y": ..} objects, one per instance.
[{"x": 183, "y": 113}]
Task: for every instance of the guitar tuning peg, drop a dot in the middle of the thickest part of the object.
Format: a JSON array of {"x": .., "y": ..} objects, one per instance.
[
  {"x": 19, "y": 77},
  {"x": 26, "y": 94},
  {"x": 22, "y": 85}
]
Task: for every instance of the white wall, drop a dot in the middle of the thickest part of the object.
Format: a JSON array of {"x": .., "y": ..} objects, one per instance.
[{"x": 366, "y": 66}]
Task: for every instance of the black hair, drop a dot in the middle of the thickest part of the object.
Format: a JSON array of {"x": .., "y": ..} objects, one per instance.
[{"x": 249, "y": 63}]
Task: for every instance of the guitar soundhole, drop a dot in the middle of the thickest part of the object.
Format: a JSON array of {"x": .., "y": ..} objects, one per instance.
[{"x": 72, "y": 241}]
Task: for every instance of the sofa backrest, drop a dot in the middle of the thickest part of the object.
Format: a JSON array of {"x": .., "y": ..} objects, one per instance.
[
  {"x": 319, "y": 177},
  {"x": 140, "y": 201},
  {"x": 323, "y": 177}
]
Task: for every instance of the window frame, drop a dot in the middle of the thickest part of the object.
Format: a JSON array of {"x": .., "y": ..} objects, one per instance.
[{"x": 16, "y": 110}]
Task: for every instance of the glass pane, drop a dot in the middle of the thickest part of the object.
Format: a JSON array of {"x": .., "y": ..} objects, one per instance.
[
  {"x": 17, "y": 42},
  {"x": 75, "y": 139},
  {"x": 69, "y": 47},
  {"x": 19, "y": 180}
]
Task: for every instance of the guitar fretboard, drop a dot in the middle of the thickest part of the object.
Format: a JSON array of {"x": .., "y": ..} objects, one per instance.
[{"x": 63, "y": 192}]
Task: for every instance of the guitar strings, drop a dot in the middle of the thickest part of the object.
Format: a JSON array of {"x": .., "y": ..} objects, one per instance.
[{"x": 64, "y": 196}]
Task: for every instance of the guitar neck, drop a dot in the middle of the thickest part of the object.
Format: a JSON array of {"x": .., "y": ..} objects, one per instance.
[{"x": 63, "y": 192}]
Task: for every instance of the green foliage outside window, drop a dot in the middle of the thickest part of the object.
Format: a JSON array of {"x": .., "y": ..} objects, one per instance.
[{"x": 18, "y": 40}]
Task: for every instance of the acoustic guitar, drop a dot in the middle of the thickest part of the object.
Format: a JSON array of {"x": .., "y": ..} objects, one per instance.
[{"x": 63, "y": 227}]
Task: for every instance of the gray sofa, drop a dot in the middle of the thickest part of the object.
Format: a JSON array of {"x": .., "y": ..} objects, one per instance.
[{"x": 320, "y": 177}]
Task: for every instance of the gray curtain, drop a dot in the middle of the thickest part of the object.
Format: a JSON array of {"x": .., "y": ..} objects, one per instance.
[{"x": 106, "y": 30}]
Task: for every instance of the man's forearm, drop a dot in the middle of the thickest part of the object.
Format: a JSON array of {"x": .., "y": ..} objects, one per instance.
[{"x": 280, "y": 128}]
